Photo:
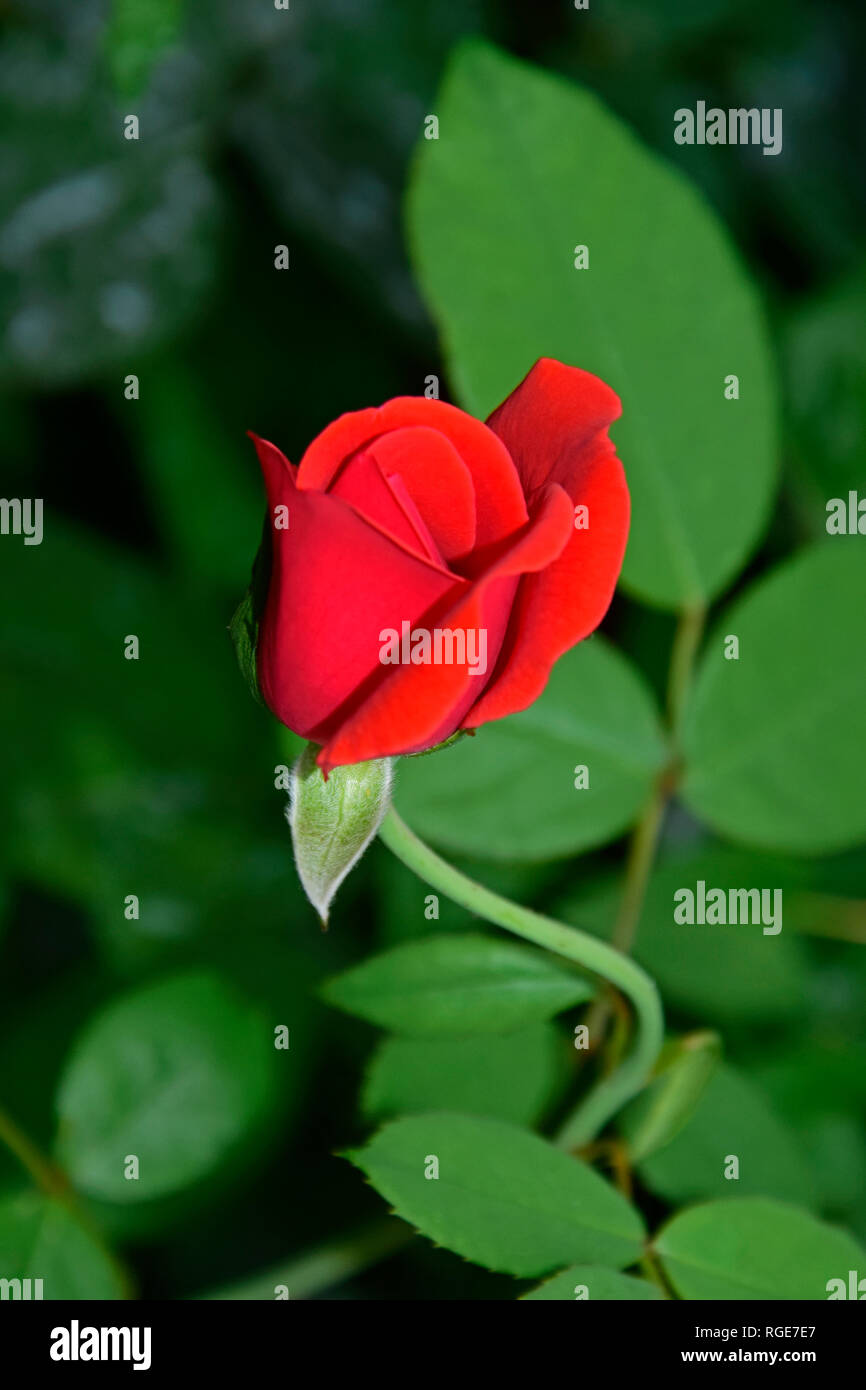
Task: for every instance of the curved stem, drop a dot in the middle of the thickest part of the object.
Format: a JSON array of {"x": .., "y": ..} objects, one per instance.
[{"x": 583, "y": 950}]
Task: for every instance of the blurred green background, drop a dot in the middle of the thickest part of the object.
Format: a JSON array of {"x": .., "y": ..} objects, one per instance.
[{"x": 155, "y": 777}]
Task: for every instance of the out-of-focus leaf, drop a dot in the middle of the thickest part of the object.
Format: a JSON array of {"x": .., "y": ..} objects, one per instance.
[
  {"x": 40, "y": 1239},
  {"x": 716, "y": 974},
  {"x": 750, "y": 1248},
  {"x": 511, "y": 1076},
  {"x": 178, "y": 1075},
  {"x": 732, "y": 1119},
  {"x": 510, "y": 792},
  {"x": 771, "y": 740}
]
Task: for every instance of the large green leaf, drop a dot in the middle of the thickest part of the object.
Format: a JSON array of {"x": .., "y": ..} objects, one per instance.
[
  {"x": 457, "y": 984},
  {"x": 528, "y": 166},
  {"x": 752, "y": 1248},
  {"x": 179, "y": 1075},
  {"x": 773, "y": 741},
  {"x": 600, "y": 1283},
  {"x": 511, "y": 1076},
  {"x": 40, "y": 1239},
  {"x": 503, "y": 1197},
  {"x": 732, "y": 1118},
  {"x": 510, "y": 792}
]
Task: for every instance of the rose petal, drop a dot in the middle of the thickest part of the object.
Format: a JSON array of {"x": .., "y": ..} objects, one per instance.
[
  {"x": 319, "y": 638},
  {"x": 557, "y": 420},
  {"x": 500, "y": 508},
  {"x": 438, "y": 481},
  {"x": 554, "y": 425},
  {"x": 362, "y": 483},
  {"x": 413, "y": 707}
]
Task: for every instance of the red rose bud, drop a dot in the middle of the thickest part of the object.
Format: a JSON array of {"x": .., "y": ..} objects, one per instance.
[
  {"x": 333, "y": 822},
  {"x": 429, "y": 569}
]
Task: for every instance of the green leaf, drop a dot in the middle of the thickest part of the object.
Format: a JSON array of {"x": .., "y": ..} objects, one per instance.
[
  {"x": 40, "y": 1239},
  {"x": 725, "y": 975},
  {"x": 510, "y": 792},
  {"x": 504, "y": 1198},
  {"x": 751, "y": 1248},
  {"x": 599, "y": 1283},
  {"x": 657, "y": 1115},
  {"x": 526, "y": 167},
  {"x": 773, "y": 741},
  {"x": 732, "y": 1118},
  {"x": 511, "y": 1076},
  {"x": 179, "y": 1074},
  {"x": 457, "y": 984}
]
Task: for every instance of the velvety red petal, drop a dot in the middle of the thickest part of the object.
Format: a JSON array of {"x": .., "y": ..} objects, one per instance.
[
  {"x": 565, "y": 602},
  {"x": 437, "y": 480},
  {"x": 554, "y": 425},
  {"x": 413, "y": 707},
  {"x": 362, "y": 483},
  {"x": 500, "y": 507},
  {"x": 336, "y": 583}
]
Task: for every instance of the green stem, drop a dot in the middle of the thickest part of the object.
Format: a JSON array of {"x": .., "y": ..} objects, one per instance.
[
  {"x": 52, "y": 1180},
  {"x": 585, "y": 951},
  {"x": 645, "y": 838},
  {"x": 639, "y": 863},
  {"x": 687, "y": 639}
]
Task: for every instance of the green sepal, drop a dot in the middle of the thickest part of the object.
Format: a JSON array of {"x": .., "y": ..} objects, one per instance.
[
  {"x": 333, "y": 821},
  {"x": 446, "y": 743},
  {"x": 244, "y": 626}
]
